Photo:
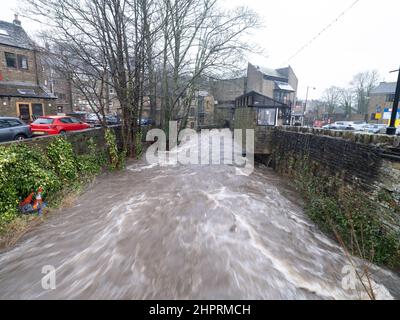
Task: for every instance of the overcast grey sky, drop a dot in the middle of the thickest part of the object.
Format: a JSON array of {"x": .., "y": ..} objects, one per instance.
[{"x": 365, "y": 38}]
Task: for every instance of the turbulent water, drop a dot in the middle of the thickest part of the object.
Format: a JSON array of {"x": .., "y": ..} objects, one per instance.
[{"x": 183, "y": 232}]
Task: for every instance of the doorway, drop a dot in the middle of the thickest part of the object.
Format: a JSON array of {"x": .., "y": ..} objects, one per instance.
[{"x": 29, "y": 111}]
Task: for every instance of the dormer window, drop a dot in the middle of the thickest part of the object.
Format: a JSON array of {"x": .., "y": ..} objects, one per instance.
[
  {"x": 4, "y": 33},
  {"x": 26, "y": 92}
]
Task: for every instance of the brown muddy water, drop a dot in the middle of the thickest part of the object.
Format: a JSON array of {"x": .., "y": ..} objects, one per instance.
[{"x": 183, "y": 232}]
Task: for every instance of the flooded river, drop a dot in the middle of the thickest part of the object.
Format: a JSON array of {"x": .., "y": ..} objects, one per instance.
[{"x": 182, "y": 232}]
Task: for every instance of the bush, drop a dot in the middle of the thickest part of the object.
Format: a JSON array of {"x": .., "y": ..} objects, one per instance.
[
  {"x": 345, "y": 213},
  {"x": 24, "y": 169},
  {"x": 62, "y": 157}
]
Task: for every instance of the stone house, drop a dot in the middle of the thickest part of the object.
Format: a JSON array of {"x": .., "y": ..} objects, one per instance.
[
  {"x": 201, "y": 113},
  {"x": 381, "y": 103},
  {"x": 22, "y": 90}
]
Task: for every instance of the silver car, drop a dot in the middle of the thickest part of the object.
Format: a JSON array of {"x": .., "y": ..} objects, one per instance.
[
  {"x": 376, "y": 128},
  {"x": 13, "y": 129}
]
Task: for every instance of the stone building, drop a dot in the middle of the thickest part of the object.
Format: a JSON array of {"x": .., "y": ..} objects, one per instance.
[
  {"x": 201, "y": 113},
  {"x": 277, "y": 84},
  {"x": 22, "y": 90},
  {"x": 58, "y": 82},
  {"x": 381, "y": 103}
]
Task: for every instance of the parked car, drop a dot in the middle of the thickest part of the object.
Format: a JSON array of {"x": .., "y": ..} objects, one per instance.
[
  {"x": 80, "y": 115},
  {"x": 51, "y": 125},
  {"x": 339, "y": 125},
  {"x": 375, "y": 128},
  {"x": 13, "y": 129},
  {"x": 146, "y": 122},
  {"x": 112, "y": 120},
  {"x": 94, "y": 120},
  {"x": 357, "y": 125}
]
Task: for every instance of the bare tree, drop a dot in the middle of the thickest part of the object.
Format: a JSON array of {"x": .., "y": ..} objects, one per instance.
[
  {"x": 347, "y": 97},
  {"x": 200, "y": 40},
  {"x": 331, "y": 99},
  {"x": 362, "y": 84},
  {"x": 142, "y": 48},
  {"x": 104, "y": 40}
]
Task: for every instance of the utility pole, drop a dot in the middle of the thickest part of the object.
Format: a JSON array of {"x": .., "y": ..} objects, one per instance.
[{"x": 391, "y": 130}]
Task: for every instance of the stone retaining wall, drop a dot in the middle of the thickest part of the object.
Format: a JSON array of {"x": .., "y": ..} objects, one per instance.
[{"x": 78, "y": 139}]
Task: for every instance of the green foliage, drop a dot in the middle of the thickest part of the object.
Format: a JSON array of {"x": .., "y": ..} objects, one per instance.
[
  {"x": 91, "y": 163},
  {"x": 22, "y": 170},
  {"x": 56, "y": 169},
  {"x": 346, "y": 214},
  {"x": 116, "y": 159},
  {"x": 62, "y": 157}
]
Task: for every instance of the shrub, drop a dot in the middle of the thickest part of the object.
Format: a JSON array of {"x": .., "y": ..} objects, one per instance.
[{"x": 24, "y": 169}]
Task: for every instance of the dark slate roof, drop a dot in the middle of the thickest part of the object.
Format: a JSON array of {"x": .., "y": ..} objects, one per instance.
[
  {"x": 24, "y": 90},
  {"x": 262, "y": 101},
  {"x": 16, "y": 37},
  {"x": 385, "y": 88}
]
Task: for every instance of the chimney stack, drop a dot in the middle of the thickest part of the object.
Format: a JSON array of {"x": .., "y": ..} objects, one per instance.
[{"x": 16, "y": 21}]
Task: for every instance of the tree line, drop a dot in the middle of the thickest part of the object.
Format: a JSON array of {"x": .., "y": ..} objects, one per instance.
[
  {"x": 353, "y": 99},
  {"x": 159, "y": 52}
]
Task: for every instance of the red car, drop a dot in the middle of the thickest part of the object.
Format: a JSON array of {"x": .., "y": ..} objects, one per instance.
[{"x": 51, "y": 125}]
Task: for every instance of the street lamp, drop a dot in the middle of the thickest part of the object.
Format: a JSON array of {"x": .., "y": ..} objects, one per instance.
[
  {"x": 305, "y": 104},
  {"x": 391, "y": 130}
]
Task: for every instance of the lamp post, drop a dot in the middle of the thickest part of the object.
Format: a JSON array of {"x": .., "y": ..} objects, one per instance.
[
  {"x": 391, "y": 130},
  {"x": 305, "y": 104}
]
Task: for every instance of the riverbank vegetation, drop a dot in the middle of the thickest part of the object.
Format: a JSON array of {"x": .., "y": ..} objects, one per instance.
[
  {"x": 56, "y": 168},
  {"x": 362, "y": 223}
]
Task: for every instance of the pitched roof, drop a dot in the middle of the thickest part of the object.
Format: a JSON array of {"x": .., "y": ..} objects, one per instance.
[
  {"x": 24, "y": 90},
  {"x": 14, "y": 36},
  {"x": 384, "y": 88},
  {"x": 271, "y": 72},
  {"x": 284, "y": 86},
  {"x": 263, "y": 101}
]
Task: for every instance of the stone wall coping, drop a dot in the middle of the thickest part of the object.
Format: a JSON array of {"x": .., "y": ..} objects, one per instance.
[
  {"x": 378, "y": 140},
  {"x": 71, "y": 134}
]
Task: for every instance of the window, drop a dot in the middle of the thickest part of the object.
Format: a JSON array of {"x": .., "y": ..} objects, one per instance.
[
  {"x": 26, "y": 92},
  {"x": 22, "y": 62},
  {"x": 266, "y": 117},
  {"x": 390, "y": 98},
  {"x": 11, "y": 60},
  {"x": 28, "y": 112},
  {"x": 4, "y": 33},
  {"x": 16, "y": 61},
  {"x": 74, "y": 120},
  {"x": 37, "y": 109},
  {"x": 61, "y": 96},
  {"x": 13, "y": 123},
  {"x": 3, "y": 124},
  {"x": 66, "y": 120},
  {"x": 43, "y": 121}
]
